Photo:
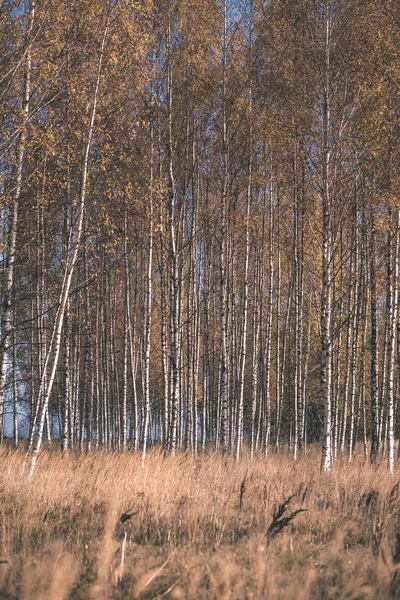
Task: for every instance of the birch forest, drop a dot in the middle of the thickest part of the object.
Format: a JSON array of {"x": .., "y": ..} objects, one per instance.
[
  {"x": 200, "y": 225},
  {"x": 199, "y": 299}
]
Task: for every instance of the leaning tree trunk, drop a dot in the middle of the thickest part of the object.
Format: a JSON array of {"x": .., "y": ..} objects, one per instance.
[{"x": 53, "y": 351}]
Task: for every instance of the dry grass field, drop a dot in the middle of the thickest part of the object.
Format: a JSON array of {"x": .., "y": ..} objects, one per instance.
[{"x": 205, "y": 528}]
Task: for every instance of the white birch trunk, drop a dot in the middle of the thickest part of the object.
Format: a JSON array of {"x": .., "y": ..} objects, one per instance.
[
  {"x": 147, "y": 337},
  {"x": 245, "y": 311},
  {"x": 393, "y": 280},
  {"x": 222, "y": 283},
  {"x": 53, "y": 351},
  {"x": 7, "y": 317},
  {"x": 374, "y": 346},
  {"x": 326, "y": 341}
]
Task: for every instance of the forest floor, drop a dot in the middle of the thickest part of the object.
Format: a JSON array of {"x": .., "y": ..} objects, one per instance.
[{"x": 200, "y": 528}]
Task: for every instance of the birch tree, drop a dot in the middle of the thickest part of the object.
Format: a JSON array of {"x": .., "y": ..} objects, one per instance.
[{"x": 75, "y": 235}]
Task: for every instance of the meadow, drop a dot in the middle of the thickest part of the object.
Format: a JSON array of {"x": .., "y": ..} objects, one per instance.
[{"x": 98, "y": 526}]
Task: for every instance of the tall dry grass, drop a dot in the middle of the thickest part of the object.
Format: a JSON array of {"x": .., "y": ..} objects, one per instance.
[{"x": 205, "y": 528}]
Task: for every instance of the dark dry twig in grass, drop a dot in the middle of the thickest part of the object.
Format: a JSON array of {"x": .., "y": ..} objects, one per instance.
[{"x": 279, "y": 520}]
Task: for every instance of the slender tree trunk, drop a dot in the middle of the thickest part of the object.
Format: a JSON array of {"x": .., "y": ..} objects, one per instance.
[
  {"x": 299, "y": 333},
  {"x": 356, "y": 313},
  {"x": 269, "y": 317},
  {"x": 278, "y": 373},
  {"x": 393, "y": 280},
  {"x": 173, "y": 263},
  {"x": 326, "y": 341},
  {"x": 222, "y": 273},
  {"x": 243, "y": 349},
  {"x": 124, "y": 419},
  {"x": 374, "y": 345},
  {"x": 147, "y": 336},
  {"x": 15, "y": 392},
  {"x": 7, "y": 317},
  {"x": 53, "y": 351}
]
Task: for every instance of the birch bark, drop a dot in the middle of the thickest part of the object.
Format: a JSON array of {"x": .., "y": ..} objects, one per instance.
[
  {"x": 7, "y": 317},
  {"x": 326, "y": 342},
  {"x": 53, "y": 350}
]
